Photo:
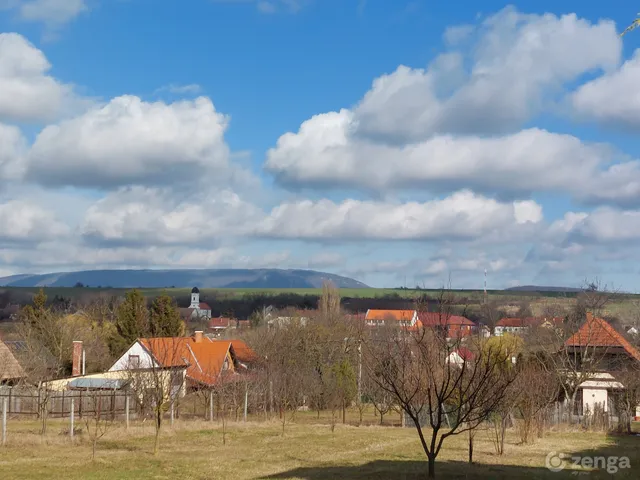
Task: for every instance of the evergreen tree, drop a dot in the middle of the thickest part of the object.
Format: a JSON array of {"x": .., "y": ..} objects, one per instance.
[
  {"x": 165, "y": 318},
  {"x": 133, "y": 318}
]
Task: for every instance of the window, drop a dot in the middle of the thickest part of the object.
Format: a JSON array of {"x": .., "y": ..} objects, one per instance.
[{"x": 134, "y": 361}]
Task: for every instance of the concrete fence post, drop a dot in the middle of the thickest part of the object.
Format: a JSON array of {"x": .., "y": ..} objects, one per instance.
[
  {"x": 72, "y": 418},
  {"x": 126, "y": 411},
  {"x": 4, "y": 420}
]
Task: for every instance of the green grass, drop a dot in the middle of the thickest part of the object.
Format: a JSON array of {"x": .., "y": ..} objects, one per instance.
[{"x": 308, "y": 450}]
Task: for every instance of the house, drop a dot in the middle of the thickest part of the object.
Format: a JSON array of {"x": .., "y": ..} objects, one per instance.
[
  {"x": 405, "y": 318},
  {"x": 600, "y": 343},
  {"x": 460, "y": 355},
  {"x": 10, "y": 370},
  {"x": 179, "y": 364},
  {"x": 288, "y": 316},
  {"x": 197, "y": 309},
  {"x": 520, "y": 326},
  {"x": 220, "y": 324},
  {"x": 454, "y": 326}
]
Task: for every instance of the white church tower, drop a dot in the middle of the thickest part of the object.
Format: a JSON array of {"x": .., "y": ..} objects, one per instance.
[{"x": 195, "y": 298}]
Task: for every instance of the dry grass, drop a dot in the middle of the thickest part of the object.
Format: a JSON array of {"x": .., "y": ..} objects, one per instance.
[{"x": 308, "y": 450}]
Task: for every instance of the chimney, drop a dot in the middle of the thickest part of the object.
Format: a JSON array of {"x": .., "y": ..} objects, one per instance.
[
  {"x": 76, "y": 370},
  {"x": 198, "y": 336}
]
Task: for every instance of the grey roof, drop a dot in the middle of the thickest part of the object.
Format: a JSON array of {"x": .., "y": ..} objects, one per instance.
[
  {"x": 98, "y": 383},
  {"x": 195, "y": 290}
]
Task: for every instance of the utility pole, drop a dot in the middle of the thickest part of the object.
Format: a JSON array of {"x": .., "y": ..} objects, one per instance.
[{"x": 360, "y": 371}]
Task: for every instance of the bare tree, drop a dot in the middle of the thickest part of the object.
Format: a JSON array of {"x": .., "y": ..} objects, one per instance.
[
  {"x": 451, "y": 398},
  {"x": 159, "y": 381},
  {"x": 96, "y": 421}
]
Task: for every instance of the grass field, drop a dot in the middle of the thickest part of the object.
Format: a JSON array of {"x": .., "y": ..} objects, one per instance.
[{"x": 308, "y": 450}]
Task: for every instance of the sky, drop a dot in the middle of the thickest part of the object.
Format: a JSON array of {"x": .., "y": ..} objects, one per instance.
[{"x": 399, "y": 143}]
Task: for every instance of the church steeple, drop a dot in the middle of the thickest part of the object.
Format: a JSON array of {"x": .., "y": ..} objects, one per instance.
[{"x": 195, "y": 298}]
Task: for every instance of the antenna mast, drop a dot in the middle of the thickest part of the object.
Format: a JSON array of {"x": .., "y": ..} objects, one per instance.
[{"x": 485, "y": 285}]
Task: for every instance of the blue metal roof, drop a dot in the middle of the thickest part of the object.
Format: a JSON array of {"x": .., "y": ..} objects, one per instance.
[{"x": 98, "y": 383}]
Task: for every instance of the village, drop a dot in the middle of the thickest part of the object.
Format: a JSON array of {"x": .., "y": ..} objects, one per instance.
[{"x": 539, "y": 372}]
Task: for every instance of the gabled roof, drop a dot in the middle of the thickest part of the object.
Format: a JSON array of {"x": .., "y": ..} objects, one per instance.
[
  {"x": 168, "y": 351},
  {"x": 464, "y": 353},
  {"x": 204, "y": 306},
  {"x": 10, "y": 369},
  {"x": 397, "y": 315},
  {"x": 596, "y": 332},
  {"x": 207, "y": 360},
  {"x": 220, "y": 322},
  {"x": 431, "y": 319},
  {"x": 203, "y": 360},
  {"x": 243, "y": 352}
]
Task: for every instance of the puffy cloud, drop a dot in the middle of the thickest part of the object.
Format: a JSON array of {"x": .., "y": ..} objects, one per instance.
[
  {"x": 323, "y": 153},
  {"x": 25, "y": 222},
  {"x": 13, "y": 148},
  {"x": 148, "y": 216},
  {"x": 463, "y": 215},
  {"x": 129, "y": 141},
  {"x": 606, "y": 225},
  {"x": 518, "y": 62},
  {"x": 27, "y": 93},
  {"x": 427, "y": 129},
  {"x": 613, "y": 98}
]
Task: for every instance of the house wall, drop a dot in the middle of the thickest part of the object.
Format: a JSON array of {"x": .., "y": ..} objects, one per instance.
[
  {"x": 61, "y": 383},
  {"x": 146, "y": 361},
  {"x": 591, "y": 396}
]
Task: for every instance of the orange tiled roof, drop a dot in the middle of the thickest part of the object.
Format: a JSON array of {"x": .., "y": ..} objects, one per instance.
[
  {"x": 203, "y": 359},
  {"x": 596, "y": 332},
  {"x": 207, "y": 360},
  {"x": 397, "y": 315},
  {"x": 168, "y": 351},
  {"x": 243, "y": 352}
]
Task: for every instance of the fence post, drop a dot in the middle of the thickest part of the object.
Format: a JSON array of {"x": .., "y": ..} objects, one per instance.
[
  {"x": 246, "y": 400},
  {"x": 4, "y": 420},
  {"x": 172, "y": 410},
  {"x": 211, "y": 406},
  {"x": 126, "y": 411},
  {"x": 71, "y": 416}
]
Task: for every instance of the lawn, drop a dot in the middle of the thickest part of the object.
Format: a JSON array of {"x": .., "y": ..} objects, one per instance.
[{"x": 308, "y": 450}]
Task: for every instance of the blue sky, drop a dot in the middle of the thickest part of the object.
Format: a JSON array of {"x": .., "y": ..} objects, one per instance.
[{"x": 390, "y": 141}]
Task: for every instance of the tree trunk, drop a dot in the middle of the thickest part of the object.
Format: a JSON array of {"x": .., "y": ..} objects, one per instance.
[
  {"x": 93, "y": 452},
  {"x": 470, "y": 447},
  {"x": 432, "y": 467},
  {"x": 156, "y": 444},
  {"x": 381, "y": 418},
  {"x": 344, "y": 413}
]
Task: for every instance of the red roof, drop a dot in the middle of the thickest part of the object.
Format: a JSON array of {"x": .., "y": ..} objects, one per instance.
[
  {"x": 204, "y": 306},
  {"x": 243, "y": 352},
  {"x": 464, "y": 353},
  {"x": 220, "y": 322},
  {"x": 596, "y": 332},
  {"x": 203, "y": 360},
  {"x": 168, "y": 351},
  {"x": 397, "y": 315},
  {"x": 431, "y": 319}
]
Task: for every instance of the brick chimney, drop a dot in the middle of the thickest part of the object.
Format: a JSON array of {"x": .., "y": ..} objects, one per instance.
[
  {"x": 198, "y": 336},
  {"x": 76, "y": 370}
]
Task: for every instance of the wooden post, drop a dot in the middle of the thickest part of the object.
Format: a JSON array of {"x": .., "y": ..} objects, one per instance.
[
  {"x": 72, "y": 418},
  {"x": 126, "y": 411},
  {"x": 172, "y": 413},
  {"x": 4, "y": 420},
  {"x": 246, "y": 399},
  {"x": 211, "y": 406}
]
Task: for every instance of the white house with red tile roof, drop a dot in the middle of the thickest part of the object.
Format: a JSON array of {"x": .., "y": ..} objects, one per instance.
[
  {"x": 405, "y": 318},
  {"x": 600, "y": 341},
  {"x": 520, "y": 326}
]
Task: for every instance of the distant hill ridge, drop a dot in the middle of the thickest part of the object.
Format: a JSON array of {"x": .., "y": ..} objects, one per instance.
[
  {"x": 535, "y": 288},
  {"x": 203, "y": 278}
]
